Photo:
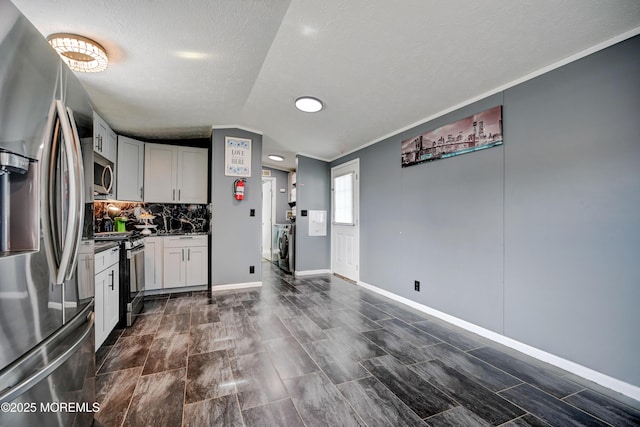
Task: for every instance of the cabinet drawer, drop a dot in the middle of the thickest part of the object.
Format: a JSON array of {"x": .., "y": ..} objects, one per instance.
[
  {"x": 106, "y": 259},
  {"x": 185, "y": 241}
]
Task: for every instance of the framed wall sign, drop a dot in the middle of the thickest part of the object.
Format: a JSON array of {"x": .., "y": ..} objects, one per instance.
[{"x": 237, "y": 157}]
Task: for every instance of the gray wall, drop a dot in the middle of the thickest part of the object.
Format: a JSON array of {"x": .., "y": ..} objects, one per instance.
[
  {"x": 282, "y": 199},
  {"x": 536, "y": 239},
  {"x": 572, "y": 227},
  {"x": 236, "y": 237},
  {"x": 313, "y": 192}
]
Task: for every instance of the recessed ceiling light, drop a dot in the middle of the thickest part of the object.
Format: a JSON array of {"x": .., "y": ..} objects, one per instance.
[
  {"x": 275, "y": 157},
  {"x": 186, "y": 54},
  {"x": 79, "y": 53},
  {"x": 309, "y": 104}
]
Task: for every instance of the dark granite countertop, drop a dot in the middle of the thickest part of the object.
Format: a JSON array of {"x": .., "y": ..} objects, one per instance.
[
  {"x": 178, "y": 233},
  {"x": 105, "y": 245}
]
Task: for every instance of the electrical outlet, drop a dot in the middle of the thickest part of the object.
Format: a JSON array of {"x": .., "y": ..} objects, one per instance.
[
  {"x": 252, "y": 269},
  {"x": 416, "y": 285}
]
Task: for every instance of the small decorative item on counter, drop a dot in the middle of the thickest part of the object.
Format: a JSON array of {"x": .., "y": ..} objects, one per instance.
[
  {"x": 146, "y": 226},
  {"x": 106, "y": 224},
  {"x": 120, "y": 223}
]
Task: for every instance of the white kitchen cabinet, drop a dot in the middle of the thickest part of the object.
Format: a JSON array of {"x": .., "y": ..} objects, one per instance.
[
  {"x": 86, "y": 270},
  {"x": 192, "y": 175},
  {"x": 107, "y": 283},
  {"x": 153, "y": 262},
  {"x": 174, "y": 268},
  {"x": 160, "y": 168},
  {"x": 185, "y": 261},
  {"x": 175, "y": 174},
  {"x": 196, "y": 271},
  {"x": 291, "y": 181},
  {"x": 130, "y": 169},
  {"x": 104, "y": 139}
]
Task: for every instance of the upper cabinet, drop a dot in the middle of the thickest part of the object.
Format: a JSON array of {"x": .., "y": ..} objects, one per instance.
[
  {"x": 192, "y": 175},
  {"x": 130, "y": 169},
  {"x": 292, "y": 187},
  {"x": 175, "y": 174},
  {"x": 104, "y": 139}
]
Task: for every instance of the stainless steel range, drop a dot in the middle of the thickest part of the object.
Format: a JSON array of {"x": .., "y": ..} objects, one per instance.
[{"x": 131, "y": 274}]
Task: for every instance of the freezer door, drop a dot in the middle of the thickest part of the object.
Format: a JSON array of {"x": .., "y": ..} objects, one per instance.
[{"x": 58, "y": 373}]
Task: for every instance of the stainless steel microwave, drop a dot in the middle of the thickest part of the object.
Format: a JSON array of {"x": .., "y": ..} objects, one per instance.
[
  {"x": 99, "y": 173},
  {"x": 102, "y": 177}
]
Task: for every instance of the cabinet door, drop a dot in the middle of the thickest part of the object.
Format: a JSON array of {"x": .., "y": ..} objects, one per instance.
[
  {"x": 153, "y": 263},
  {"x": 99, "y": 134},
  {"x": 130, "y": 169},
  {"x": 173, "y": 267},
  {"x": 160, "y": 169},
  {"x": 111, "y": 146},
  {"x": 291, "y": 180},
  {"x": 86, "y": 274},
  {"x": 197, "y": 263},
  {"x": 101, "y": 282},
  {"x": 112, "y": 303},
  {"x": 192, "y": 175}
]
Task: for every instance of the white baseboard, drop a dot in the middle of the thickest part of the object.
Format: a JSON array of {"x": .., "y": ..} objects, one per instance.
[
  {"x": 311, "y": 272},
  {"x": 582, "y": 371},
  {"x": 235, "y": 286},
  {"x": 163, "y": 291}
]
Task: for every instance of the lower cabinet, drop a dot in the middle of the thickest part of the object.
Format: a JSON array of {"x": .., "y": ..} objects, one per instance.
[
  {"x": 107, "y": 305},
  {"x": 185, "y": 261},
  {"x": 153, "y": 263}
]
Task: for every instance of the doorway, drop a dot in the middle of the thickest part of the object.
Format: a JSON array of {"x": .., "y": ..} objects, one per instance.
[
  {"x": 345, "y": 219},
  {"x": 268, "y": 216}
]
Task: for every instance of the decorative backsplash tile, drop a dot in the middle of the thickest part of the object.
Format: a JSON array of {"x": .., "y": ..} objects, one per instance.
[
  {"x": 88, "y": 224},
  {"x": 169, "y": 218}
]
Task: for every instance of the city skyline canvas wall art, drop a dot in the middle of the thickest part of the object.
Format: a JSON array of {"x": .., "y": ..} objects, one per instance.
[{"x": 480, "y": 131}]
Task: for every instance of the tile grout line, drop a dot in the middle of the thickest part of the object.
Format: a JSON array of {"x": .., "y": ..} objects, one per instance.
[{"x": 186, "y": 369}]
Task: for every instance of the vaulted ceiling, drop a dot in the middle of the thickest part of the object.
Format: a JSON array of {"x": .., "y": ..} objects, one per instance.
[{"x": 177, "y": 69}]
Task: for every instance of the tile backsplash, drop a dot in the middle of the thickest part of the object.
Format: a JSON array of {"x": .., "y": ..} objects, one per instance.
[{"x": 169, "y": 218}]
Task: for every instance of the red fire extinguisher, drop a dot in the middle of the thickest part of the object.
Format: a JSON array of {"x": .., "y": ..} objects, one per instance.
[{"x": 238, "y": 189}]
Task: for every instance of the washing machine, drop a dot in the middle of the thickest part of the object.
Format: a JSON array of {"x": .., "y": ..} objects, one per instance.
[
  {"x": 275, "y": 239},
  {"x": 286, "y": 239}
]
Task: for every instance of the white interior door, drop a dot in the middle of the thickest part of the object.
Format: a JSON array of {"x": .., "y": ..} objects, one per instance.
[
  {"x": 268, "y": 216},
  {"x": 345, "y": 219}
]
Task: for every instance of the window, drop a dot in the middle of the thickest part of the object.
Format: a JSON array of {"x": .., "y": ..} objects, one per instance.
[{"x": 343, "y": 199}]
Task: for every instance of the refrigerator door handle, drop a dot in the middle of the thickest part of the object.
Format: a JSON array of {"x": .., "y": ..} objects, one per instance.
[
  {"x": 50, "y": 142},
  {"x": 79, "y": 188},
  {"x": 11, "y": 393},
  {"x": 66, "y": 258}
]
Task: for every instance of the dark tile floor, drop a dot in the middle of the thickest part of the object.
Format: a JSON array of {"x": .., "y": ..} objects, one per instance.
[{"x": 322, "y": 352}]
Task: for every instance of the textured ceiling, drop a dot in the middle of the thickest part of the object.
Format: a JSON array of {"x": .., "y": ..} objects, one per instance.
[{"x": 177, "y": 69}]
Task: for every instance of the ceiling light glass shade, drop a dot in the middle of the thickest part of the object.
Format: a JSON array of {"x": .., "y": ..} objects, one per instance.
[
  {"x": 276, "y": 158},
  {"x": 79, "y": 53},
  {"x": 308, "y": 104}
]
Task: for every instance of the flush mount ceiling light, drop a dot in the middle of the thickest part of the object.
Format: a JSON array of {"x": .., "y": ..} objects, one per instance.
[
  {"x": 309, "y": 104},
  {"x": 276, "y": 158},
  {"x": 79, "y": 53}
]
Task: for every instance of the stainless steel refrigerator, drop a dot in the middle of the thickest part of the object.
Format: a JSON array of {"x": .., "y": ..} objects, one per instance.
[{"x": 47, "y": 361}]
